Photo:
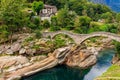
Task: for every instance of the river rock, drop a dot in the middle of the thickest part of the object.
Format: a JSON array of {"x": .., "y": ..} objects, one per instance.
[
  {"x": 58, "y": 51},
  {"x": 43, "y": 50},
  {"x": 9, "y": 51},
  {"x": 22, "y": 51},
  {"x": 16, "y": 47},
  {"x": 115, "y": 59},
  {"x": 38, "y": 58},
  {"x": 30, "y": 51},
  {"x": 3, "y": 48}
]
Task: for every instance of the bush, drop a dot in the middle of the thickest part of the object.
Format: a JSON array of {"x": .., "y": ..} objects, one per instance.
[
  {"x": 32, "y": 25},
  {"x": 117, "y": 48},
  {"x": 94, "y": 26},
  {"x": 35, "y": 23},
  {"x": 3, "y": 32},
  {"x": 70, "y": 27},
  {"x": 29, "y": 39},
  {"x": 54, "y": 21},
  {"x": 112, "y": 28},
  {"x": 38, "y": 34},
  {"x": 78, "y": 30},
  {"x": 36, "y": 20},
  {"x": 46, "y": 24},
  {"x": 58, "y": 42},
  {"x": 54, "y": 28}
]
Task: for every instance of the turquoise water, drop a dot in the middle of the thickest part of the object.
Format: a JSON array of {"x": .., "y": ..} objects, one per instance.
[{"x": 63, "y": 72}]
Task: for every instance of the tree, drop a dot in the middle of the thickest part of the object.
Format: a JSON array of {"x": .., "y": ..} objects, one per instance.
[
  {"x": 65, "y": 17},
  {"x": 82, "y": 24},
  {"x": 12, "y": 15},
  {"x": 62, "y": 17},
  {"x": 118, "y": 17},
  {"x": 55, "y": 3},
  {"x": 54, "y": 24},
  {"x": 107, "y": 16},
  {"x": 35, "y": 23},
  {"x": 37, "y": 6},
  {"x": 54, "y": 21}
]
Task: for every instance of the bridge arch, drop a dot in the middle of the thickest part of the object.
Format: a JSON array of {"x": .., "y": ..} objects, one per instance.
[
  {"x": 101, "y": 34},
  {"x": 80, "y": 38}
]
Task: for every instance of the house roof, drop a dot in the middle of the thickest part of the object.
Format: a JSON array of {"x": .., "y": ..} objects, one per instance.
[{"x": 49, "y": 6}]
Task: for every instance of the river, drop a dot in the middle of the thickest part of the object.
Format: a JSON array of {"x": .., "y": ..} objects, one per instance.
[{"x": 63, "y": 72}]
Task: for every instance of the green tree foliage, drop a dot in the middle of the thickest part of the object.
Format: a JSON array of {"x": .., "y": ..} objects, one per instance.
[
  {"x": 66, "y": 17},
  {"x": 37, "y": 6},
  {"x": 38, "y": 34},
  {"x": 62, "y": 17},
  {"x": 59, "y": 42},
  {"x": 55, "y": 3},
  {"x": 12, "y": 15},
  {"x": 117, "y": 48},
  {"x": 54, "y": 21},
  {"x": 113, "y": 28},
  {"x": 54, "y": 24},
  {"x": 35, "y": 23},
  {"x": 82, "y": 24},
  {"x": 84, "y": 20},
  {"x": 107, "y": 16},
  {"x": 46, "y": 24},
  {"x": 118, "y": 17},
  {"x": 3, "y": 33},
  {"x": 92, "y": 10}
]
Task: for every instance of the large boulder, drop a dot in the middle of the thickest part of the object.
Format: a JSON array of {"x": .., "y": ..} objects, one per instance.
[
  {"x": 115, "y": 59},
  {"x": 91, "y": 60},
  {"x": 8, "y": 61},
  {"x": 16, "y": 47},
  {"x": 81, "y": 58},
  {"x": 4, "y": 48}
]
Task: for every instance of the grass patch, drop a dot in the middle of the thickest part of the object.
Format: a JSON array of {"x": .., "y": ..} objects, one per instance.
[{"x": 113, "y": 73}]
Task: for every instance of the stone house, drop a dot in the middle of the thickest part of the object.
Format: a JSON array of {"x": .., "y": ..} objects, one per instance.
[{"x": 48, "y": 11}]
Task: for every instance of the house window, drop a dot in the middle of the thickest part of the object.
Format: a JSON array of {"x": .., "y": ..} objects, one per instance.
[{"x": 44, "y": 10}]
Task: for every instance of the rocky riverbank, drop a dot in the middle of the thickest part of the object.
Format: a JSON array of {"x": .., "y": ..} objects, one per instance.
[
  {"x": 28, "y": 55},
  {"x": 21, "y": 66}
]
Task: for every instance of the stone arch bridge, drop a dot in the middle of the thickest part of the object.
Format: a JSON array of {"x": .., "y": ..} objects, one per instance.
[{"x": 79, "y": 38}]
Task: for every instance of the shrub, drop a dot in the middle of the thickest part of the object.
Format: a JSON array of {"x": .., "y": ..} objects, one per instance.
[
  {"x": 46, "y": 24},
  {"x": 70, "y": 27},
  {"x": 78, "y": 30},
  {"x": 29, "y": 39},
  {"x": 32, "y": 25},
  {"x": 117, "y": 48},
  {"x": 36, "y": 20},
  {"x": 54, "y": 28},
  {"x": 112, "y": 28},
  {"x": 38, "y": 34},
  {"x": 58, "y": 42}
]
